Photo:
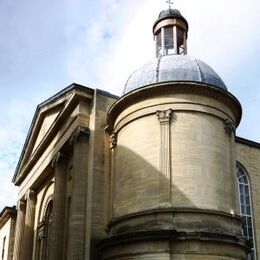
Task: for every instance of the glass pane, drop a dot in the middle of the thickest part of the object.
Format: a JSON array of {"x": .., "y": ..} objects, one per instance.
[
  {"x": 245, "y": 179},
  {"x": 159, "y": 40},
  {"x": 248, "y": 210},
  {"x": 249, "y": 222},
  {"x": 245, "y": 232},
  {"x": 158, "y": 43},
  {"x": 180, "y": 41},
  {"x": 243, "y": 209},
  {"x": 250, "y": 232},
  {"x": 243, "y": 221},
  {"x": 168, "y": 42},
  {"x": 239, "y": 173},
  {"x": 247, "y": 200}
]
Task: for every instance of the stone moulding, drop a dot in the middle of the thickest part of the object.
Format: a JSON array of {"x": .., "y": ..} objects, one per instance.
[
  {"x": 67, "y": 104},
  {"x": 65, "y": 135},
  {"x": 7, "y": 213},
  {"x": 176, "y": 106},
  {"x": 172, "y": 210},
  {"x": 134, "y": 218},
  {"x": 172, "y": 237},
  {"x": 172, "y": 88}
]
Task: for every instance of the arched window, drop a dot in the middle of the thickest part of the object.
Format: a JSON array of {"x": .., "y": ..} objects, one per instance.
[
  {"x": 245, "y": 207},
  {"x": 48, "y": 222},
  {"x": 44, "y": 234}
]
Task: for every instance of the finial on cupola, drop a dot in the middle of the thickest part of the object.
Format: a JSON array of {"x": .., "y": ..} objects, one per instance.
[{"x": 170, "y": 3}]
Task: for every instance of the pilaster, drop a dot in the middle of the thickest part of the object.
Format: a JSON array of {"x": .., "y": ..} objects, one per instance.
[
  {"x": 19, "y": 230},
  {"x": 113, "y": 144},
  {"x": 230, "y": 128},
  {"x": 77, "y": 221},
  {"x": 164, "y": 118},
  {"x": 29, "y": 225},
  {"x": 58, "y": 220}
]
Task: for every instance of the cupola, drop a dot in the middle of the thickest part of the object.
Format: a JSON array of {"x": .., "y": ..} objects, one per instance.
[
  {"x": 172, "y": 64},
  {"x": 170, "y": 33}
]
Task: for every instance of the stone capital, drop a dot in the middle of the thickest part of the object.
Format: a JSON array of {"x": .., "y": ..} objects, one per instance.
[
  {"x": 30, "y": 195},
  {"x": 113, "y": 141},
  {"x": 59, "y": 156},
  {"x": 229, "y": 127},
  {"x": 164, "y": 116},
  {"x": 21, "y": 205},
  {"x": 79, "y": 131}
]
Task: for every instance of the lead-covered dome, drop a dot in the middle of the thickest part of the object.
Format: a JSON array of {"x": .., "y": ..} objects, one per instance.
[{"x": 174, "y": 68}]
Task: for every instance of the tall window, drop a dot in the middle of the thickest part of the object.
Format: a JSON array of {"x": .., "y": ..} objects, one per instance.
[
  {"x": 44, "y": 232},
  {"x": 245, "y": 208},
  {"x": 158, "y": 44},
  {"x": 48, "y": 224},
  {"x": 168, "y": 41},
  {"x": 3, "y": 248}
]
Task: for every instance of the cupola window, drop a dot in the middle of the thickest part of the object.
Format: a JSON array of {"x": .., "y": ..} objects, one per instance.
[{"x": 168, "y": 40}]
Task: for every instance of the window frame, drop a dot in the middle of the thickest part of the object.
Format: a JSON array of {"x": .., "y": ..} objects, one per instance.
[{"x": 241, "y": 168}]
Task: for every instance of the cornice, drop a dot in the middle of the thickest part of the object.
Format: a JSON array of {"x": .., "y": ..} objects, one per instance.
[
  {"x": 172, "y": 235},
  {"x": 176, "y": 106},
  {"x": 69, "y": 105},
  {"x": 173, "y": 88},
  {"x": 172, "y": 210},
  {"x": 78, "y": 121},
  {"x": 247, "y": 142},
  {"x": 6, "y": 214}
]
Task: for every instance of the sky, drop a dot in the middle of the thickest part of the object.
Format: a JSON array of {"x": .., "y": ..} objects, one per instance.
[{"x": 45, "y": 45}]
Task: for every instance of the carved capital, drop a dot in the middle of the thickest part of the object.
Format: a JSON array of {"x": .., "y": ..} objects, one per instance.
[
  {"x": 30, "y": 195},
  {"x": 21, "y": 205},
  {"x": 164, "y": 116},
  {"x": 77, "y": 133},
  {"x": 113, "y": 141},
  {"x": 229, "y": 127},
  {"x": 59, "y": 156}
]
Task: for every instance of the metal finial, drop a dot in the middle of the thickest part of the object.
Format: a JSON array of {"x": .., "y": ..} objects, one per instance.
[{"x": 170, "y": 3}]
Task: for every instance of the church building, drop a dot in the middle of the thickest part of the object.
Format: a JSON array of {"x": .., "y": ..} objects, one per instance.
[{"x": 157, "y": 173}]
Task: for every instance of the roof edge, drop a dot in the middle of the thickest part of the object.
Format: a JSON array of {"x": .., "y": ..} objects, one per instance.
[
  {"x": 44, "y": 103},
  {"x": 248, "y": 142}
]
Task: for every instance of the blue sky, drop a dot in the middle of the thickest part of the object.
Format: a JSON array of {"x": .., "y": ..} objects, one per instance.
[{"x": 47, "y": 45}]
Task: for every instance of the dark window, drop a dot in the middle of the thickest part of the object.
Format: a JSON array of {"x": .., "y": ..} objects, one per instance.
[
  {"x": 47, "y": 230},
  {"x": 168, "y": 40},
  {"x": 158, "y": 43},
  {"x": 245, "y": 208},
  {"x": 3, "y": 248},
  {"x": 180, "y": 41}
]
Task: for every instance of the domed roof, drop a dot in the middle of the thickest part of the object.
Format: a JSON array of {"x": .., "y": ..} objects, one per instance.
[
  {"x": 170, "y": 13},
  {"x": 176, "y": 68}
]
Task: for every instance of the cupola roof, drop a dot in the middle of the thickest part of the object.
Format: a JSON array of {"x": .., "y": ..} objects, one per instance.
[
  {"x": 170, "y": 13},
  {"x": 174, "y": 68}
]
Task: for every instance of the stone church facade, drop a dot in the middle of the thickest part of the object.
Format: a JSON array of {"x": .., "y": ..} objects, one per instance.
[{"x": 155, "y": 174}]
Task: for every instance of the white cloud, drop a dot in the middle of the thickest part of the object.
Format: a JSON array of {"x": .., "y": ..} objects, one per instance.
[
  {"x": 220, "y": 33},
  {"x": 7, "y": 191},
  {"x": 14, "y": 125}
]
